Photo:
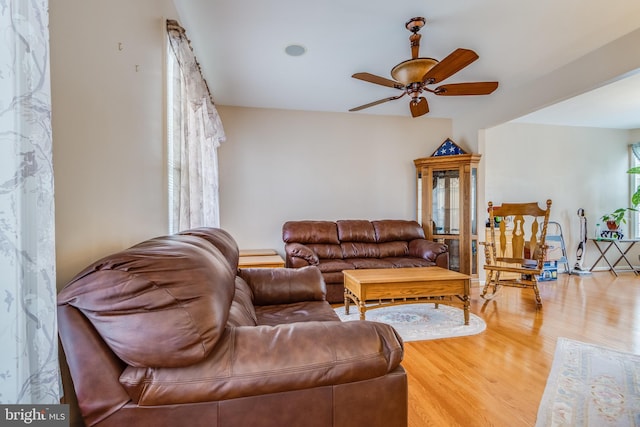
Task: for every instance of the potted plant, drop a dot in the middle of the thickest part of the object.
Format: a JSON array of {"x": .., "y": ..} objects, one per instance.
[
  {"x": 617, "y": 217},
  {"x": 635, "y": 198}
]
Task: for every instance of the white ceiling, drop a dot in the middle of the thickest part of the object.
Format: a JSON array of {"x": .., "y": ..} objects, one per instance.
[
  {"x": 240, "y": 45},
  {"x": 616, "y": 105}
]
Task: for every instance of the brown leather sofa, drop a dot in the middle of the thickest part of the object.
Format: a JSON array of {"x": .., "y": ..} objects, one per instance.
[
  {"x": 352, "y": 244},
  {"x": 170, "y": 333}
]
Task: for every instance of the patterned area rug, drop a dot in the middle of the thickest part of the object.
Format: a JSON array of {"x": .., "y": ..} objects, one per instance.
[
  {"x": 592, "y": 386},
  {"x": 416, "y": 322}
]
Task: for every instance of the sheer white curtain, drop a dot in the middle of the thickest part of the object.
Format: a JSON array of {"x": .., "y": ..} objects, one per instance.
[
  {"x": 28, "y": 329},
  {"x": 195, "y": 133}
]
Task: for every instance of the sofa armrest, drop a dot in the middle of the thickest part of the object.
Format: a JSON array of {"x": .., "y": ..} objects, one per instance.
[
  {"x": 285, "y": 285},
  {"x": 299, "y": 255},
  {"x": 257, "y": 360},
  {"x": 442, "y": 260},
  {"x": 427, "y": 249}
]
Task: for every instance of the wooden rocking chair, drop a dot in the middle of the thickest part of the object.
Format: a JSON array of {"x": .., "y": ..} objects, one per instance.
[{"x": 515, "y": 252}]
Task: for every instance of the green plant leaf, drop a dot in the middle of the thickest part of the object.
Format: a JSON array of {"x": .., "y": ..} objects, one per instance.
[{"x": 634, "y": 170}]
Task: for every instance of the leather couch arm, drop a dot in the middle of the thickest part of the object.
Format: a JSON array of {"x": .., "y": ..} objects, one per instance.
[
  {"x": 259, "y": 360},
  {"x": 299, "y": 255},
  {"x": 285, "y": 285},
  {"x": 427, "y": 249},
  {"x": 442, "y": 260}
]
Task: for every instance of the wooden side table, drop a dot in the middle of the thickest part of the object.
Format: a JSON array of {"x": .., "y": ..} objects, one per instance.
[
  {"x": 260, "y": 258},
  {"x": 257, "y": 252}
]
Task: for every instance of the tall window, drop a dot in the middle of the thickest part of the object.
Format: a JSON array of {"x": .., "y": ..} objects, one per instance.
[
  {"x": 634, "y": 154},
  {"x": 194, "y": 133}
]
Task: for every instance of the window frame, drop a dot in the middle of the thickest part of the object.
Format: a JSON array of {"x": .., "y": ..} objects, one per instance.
[{"x": 634, "y": 183}]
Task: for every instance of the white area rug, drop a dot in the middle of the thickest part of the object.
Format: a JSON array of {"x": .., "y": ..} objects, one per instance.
[
  {"x": 417, "y": 322},
  {"x": 591, "y": 386}
]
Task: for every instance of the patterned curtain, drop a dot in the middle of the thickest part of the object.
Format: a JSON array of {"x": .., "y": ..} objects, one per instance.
[
  {"x": 28, "y": 331},
  {"x": 195, "y": 133}
]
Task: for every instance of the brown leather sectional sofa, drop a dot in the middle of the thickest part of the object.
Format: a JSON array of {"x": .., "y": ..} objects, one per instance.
[
  {"x": 353, "y": 244},
  {"x": 170, "y": 333}
]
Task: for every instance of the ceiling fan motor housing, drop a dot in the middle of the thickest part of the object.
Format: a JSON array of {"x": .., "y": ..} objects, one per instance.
[{"x": 412, "y": 70}]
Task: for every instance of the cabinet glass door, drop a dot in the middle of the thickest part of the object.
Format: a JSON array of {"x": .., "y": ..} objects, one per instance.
[
  {"x": 446, "y": 202},
  {"x": 446, "y": 198}
]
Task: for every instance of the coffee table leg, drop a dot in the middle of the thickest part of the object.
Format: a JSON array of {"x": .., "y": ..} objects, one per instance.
[
  {"x": 467, "y": 291},
  {"x": 465, "y": 300},
  {"x": 362, "y": 307},
  {"x": 346, "y": 301}
]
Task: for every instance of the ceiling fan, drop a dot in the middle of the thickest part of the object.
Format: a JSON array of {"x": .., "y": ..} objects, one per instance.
[{"x": 414, "y": 75}]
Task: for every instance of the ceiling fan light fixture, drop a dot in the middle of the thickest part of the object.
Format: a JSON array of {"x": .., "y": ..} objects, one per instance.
[{"x": 412, "y": 70}]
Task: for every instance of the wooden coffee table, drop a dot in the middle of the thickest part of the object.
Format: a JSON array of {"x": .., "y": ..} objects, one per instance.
[{"x": 394, "y": 286}]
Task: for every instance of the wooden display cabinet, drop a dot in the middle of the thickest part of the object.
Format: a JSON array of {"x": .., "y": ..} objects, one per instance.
[{"x": 446, "y": 204}]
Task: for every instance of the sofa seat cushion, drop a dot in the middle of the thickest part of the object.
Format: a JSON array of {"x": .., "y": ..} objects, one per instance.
[
  {"x": 256, "y": 360},
  {"x": 404, "y": 262},
  {"x": 306, "y": 311},
  {"x": 360, "y": 263},
  {"x": 333, "y": 277},
  {"x": 334, "y": 265},
  {"x": 175, "y": 291}
]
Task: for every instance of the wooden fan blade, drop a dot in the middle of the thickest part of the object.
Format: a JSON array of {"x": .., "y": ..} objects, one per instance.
[
  {"x": 371, "y": 78},
  {"x": 379, "y": 101},
  {"x": 456, "y": 89},
  {"x": 456, "y": 61},
  {"x": 419, "y": 108}
]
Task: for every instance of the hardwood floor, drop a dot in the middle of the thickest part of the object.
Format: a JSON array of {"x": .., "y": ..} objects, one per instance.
[{"x": 497, "y": 378}]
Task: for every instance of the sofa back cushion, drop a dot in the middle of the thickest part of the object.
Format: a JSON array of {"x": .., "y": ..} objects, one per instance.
[
  {"x": 310, "y": 232},
  {"x": 221, "y": 239},
  {"x": 390, "y": 230},
  {"x": 162, "y": 303},
  {"x": 356, "y": 230}
]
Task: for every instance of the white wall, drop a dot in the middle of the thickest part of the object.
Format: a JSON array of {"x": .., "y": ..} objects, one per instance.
[
  {"x": 109, "y": 156},
  {"x": 575, "y": 167},
  {"x": 107, "y": 119},
  {"x": 595, "y": 69},
  {"x": 279, "y": 165}
]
